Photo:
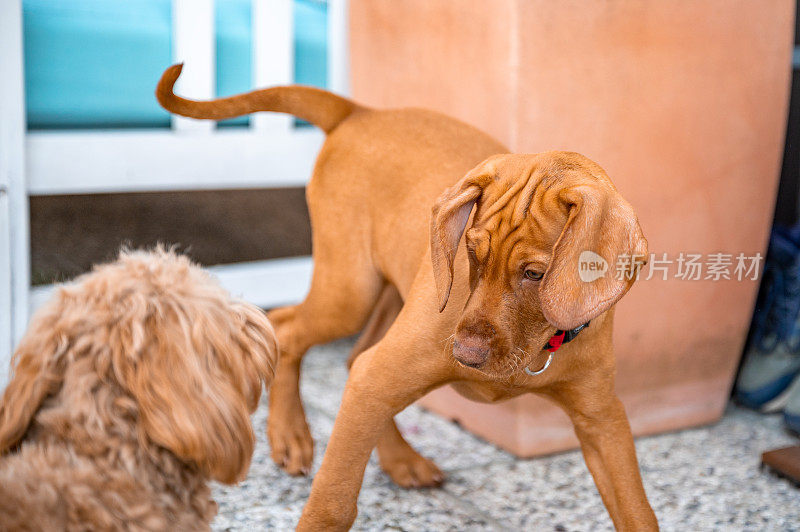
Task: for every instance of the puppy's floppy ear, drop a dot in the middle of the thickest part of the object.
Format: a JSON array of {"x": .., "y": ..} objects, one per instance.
[
  {"x": 259, "y": 350},
  {"x": 601, "y": 222},
  {"x": 196, "y": 369},
  {"x": 37, "y": 368},
  {"x": 448, "y": 222}
]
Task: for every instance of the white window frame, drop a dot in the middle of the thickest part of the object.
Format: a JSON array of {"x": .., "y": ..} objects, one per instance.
[{"x": 191, "y": 155}]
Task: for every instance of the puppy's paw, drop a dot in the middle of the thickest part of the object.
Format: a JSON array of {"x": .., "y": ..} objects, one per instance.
[
  {"x": 292, "y": 445},
  {"x": 409, "y": 469}
]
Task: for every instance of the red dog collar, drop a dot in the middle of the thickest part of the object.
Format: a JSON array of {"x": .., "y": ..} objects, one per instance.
[
  {"x": 562, "y": 337},
  {"x": 557, "y": 340}
]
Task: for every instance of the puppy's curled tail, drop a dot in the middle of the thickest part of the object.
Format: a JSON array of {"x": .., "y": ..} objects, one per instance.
[{"x": 322, "y": 108}]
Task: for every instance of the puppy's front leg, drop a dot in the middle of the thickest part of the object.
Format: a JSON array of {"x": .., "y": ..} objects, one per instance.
[
  {"x": 607, "y": 444},
  {"x": 383, "y": 380}
]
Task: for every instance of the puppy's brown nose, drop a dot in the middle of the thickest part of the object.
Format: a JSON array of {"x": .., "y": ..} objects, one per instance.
[{"x": 472, "y": 351}]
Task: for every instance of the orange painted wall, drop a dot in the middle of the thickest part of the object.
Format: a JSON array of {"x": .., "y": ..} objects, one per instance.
[{"x": 683, "y": 103}]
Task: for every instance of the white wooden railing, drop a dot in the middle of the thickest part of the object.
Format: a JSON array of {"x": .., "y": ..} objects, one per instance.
[{"x": 192, "y": 155}]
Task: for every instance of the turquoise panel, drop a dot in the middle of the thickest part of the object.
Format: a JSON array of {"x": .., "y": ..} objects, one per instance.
[
  {"x": 234, "y": 36},
  {"x": 311, "y": 42},
  {"x": 310, "y": 45},
  {"x": 95, "y": 63}
]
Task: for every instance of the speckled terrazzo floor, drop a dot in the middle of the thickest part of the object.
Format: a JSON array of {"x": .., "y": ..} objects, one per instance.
[{"x": 702, "y": 479}]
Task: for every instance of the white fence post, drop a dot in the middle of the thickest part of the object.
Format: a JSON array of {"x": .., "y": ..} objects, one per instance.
[
  {"x": 339, "y": 47},
  {"x": 273, "y": 56},
  {"x": 6, "y": 324},
  {"x": 14, "y": 243},
  {"x": 194, "y": 45}
]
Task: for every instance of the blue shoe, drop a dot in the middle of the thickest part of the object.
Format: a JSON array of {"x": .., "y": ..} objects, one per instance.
[
  {"x": 791, "y": 412},
  {"x": 772, "y": 359}
]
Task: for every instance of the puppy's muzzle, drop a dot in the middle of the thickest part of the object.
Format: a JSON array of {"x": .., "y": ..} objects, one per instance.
[{"x": 472, "y": 351}]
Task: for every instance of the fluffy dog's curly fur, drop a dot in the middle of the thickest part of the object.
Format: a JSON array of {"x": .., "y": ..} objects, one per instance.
[{"x": 131, "y": 389}]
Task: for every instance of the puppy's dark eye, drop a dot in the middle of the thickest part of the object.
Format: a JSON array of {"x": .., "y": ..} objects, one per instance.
[{"x": 533, "y": 276}]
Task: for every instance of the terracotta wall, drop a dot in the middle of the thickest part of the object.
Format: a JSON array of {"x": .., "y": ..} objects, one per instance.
[{"x": 683, "y": 103}]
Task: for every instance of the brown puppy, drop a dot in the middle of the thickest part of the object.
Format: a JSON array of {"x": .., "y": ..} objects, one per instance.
[
  {"x": 131, "y": 389},
  {"x": 475, "y": 316}
]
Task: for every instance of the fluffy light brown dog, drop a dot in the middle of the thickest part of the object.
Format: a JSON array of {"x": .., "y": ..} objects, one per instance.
[
  {"x": 471, "y": 294},
  {"x": 131, "y": 389}
]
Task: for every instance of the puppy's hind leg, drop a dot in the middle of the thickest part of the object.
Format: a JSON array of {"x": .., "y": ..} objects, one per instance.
[
  {"x": 343, "y": 292},
  {"x": 406, "y": 467},
  {"x": 386, "y": 309}
]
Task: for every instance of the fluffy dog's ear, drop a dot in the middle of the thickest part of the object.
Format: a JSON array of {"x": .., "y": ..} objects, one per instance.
[
  {"x": 583, "y": 280},
  {"x": 448, "y": 222},
  {"x": 196, "y": 370},
  {"x": 36, "y": 373}
]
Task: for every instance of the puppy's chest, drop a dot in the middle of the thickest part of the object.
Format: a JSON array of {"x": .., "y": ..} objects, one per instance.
[{"x": 487, "y": 392}]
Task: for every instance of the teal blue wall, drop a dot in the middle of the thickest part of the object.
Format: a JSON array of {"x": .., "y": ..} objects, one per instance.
[{"x": 95, "y": 63}]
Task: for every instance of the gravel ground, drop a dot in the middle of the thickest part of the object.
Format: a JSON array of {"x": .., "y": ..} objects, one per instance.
[{"x": 701, "y": 479}]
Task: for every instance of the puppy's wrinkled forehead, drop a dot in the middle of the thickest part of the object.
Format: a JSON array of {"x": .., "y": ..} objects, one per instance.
[{"x": 525, "y": 194}]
